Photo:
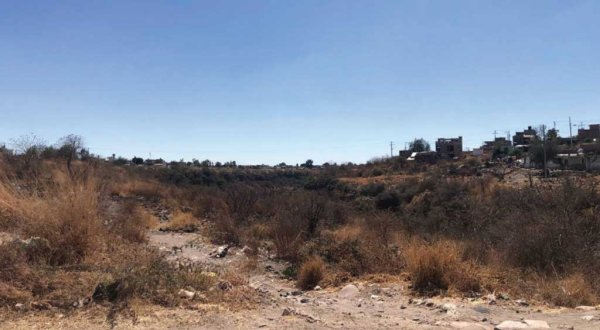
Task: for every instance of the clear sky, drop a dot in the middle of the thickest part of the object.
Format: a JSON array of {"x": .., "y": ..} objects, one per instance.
[{"x": 272, "y": 81}]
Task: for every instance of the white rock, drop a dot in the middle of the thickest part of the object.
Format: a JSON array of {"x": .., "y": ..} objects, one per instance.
[
  {"x": 317, "y": 288},
  {"x": 587, "y": 317},
  {"x": 186, "y": 294},
  {"x": 526, "y": 324},
  {"x": 465, "y": 326},
  {"x": 349, "y": 291},
  {"x": 448, "y": 308},
  {"x": 221, "y": 251},
  {"x": 537, "y": 324},
  {"x": 19, "y": 306},
  {"x": 375, "y": 297},
  {"x": 509, "y": 325}
]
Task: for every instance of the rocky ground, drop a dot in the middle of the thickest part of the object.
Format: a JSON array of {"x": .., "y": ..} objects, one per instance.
[{"x": 358, "y": 305}]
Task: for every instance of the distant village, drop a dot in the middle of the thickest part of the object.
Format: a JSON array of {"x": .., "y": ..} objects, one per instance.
[{"x": 528, "y": 148}]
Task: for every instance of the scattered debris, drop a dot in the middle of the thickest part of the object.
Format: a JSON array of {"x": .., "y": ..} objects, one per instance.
[{"x": 221, "y": 252}]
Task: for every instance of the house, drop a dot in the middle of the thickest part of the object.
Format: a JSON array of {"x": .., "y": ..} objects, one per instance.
[
  {"x": 524, "y": 138},
  {"x": 449, "y": 148},
  {"x": 590, "y": 134},
  {"x": 500, "y": 143}
]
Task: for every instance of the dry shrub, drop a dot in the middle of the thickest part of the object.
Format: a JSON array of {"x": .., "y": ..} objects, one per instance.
[
  {"x": 10, "y": 295},
  {"x": 288, "y": 237},
  {"x": 224, "y": 230},
  {"x": 437, "y": 266},
  {"x": 571, "y": 291},
  {"x": 311, "y": 273},
  {"x": 140, "y": 188},
  {"x": 343, "y": 248},
  {"x": 152, "y": 278},
  {"x": 132, "y": 223},
  {"x": 67, "y": 218},
  {"x": 185, "y": 222}
]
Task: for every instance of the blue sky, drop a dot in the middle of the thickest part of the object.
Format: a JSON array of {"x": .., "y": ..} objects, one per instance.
[{"x": 272, "y": 81}]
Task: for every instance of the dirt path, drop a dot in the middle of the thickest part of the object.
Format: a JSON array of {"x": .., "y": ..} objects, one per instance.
[{"x": 358, "y": 305}]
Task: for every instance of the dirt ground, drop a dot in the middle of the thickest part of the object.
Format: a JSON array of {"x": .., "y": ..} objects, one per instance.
[{"x": 358, "y": 305}]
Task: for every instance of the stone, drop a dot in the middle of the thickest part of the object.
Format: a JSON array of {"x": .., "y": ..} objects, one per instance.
[
  {"x": 465, "y": 325},
  {"x": 221, "y": 251},
  {"x": 481, "y": 309},
  {"x": 585, "y": 308},
  {"x": 448, "y": 308},
  {"x": 526, "y": 324},
  {"x": 491, "y": 298},
  {"x": 537, "y": 324},
  {"x": 296, "y": 293},
  {"x": 509, "y": 325},
  {"x": 225, "y": 286},
  {"x": 375, "y": 297},
  {"x": 288, "y": 311},
  {"x": 304, "y": 300},
  {"x": 186, "y": 294},
  {"x": 522, "y": 302},
  {"x": 348, "y": 292},
  {"x": 19, "y": 306},
  {"x": 587, "y": 317},
  {"x": 317, "y": 288},
  {"x": 503, "y": 296}
]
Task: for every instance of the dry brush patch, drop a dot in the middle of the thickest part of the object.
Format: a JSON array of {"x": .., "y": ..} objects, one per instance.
[
  {"x": 437, "y": 267},
  {"x": 311, "y": 272}
]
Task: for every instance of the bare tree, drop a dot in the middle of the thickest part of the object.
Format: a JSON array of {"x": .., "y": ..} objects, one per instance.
[
  {"x": 28, "y": 151},
  {"x": 69, "y": 148}
]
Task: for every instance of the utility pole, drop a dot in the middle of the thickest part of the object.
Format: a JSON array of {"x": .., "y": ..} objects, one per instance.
[
  {"x": 570, "y": 135},
  {"x": 495, "y": 133},
  {"x": 544, "y": 138},
  {"x": 391, "y": 149}
]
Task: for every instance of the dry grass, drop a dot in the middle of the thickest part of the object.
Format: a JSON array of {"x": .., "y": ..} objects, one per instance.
[
  {"x": 139, "y": 188},
  {"x": 311, "y": 273},
  {"x": 132, "y": 223},
  {"x": 437, "y": 266},
  {"x": 571, "y": 292},
  {"x": 185, "y": 222}
]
